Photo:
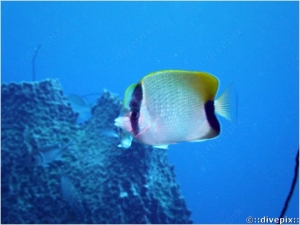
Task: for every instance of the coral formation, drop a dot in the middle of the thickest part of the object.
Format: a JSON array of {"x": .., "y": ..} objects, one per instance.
[{"x": 94, "y": 181}]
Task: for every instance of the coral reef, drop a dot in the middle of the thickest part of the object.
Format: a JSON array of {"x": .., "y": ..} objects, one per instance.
[{"x": 94, "y": 181}]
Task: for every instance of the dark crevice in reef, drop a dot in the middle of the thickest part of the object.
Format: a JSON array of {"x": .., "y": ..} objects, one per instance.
[{"x": 55, "y": 170}]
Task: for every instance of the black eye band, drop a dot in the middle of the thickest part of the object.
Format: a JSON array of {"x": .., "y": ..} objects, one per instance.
[{"x": 135, "y": 105}]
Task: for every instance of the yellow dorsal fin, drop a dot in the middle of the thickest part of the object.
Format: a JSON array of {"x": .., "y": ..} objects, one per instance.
[
  {"x": 202, "y": 82},
  {"x": 205, "y": 84}
]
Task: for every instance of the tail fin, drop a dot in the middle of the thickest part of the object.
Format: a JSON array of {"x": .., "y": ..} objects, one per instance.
[{"x": 226, "y": 105}]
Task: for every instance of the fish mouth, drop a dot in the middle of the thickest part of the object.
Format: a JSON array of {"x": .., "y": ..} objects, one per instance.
[
  {"x": 118, "y": 122},
  {"x": 123, "y": 122}
]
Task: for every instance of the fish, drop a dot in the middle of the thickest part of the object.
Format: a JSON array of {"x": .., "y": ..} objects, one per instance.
[
  {"x": 46, "y": 154},
  {"x": 171, "y": 106},
  {"x": 71, "y": 195},
  {"x": 108, "y": 133},
  {"x": 125, "y": 139},
  {"x": 80, "y": 106}
]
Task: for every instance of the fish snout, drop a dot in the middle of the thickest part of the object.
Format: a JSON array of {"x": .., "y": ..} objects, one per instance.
[{"x": 123, "y": 122}]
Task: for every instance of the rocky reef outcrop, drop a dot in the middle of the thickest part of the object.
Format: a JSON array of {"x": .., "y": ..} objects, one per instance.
[{"x": 55, "y": 170}]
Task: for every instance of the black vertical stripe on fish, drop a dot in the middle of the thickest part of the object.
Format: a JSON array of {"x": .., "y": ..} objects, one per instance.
[
  {"x": 135, "y": 105},
  {"x": 211, "y": 116}
]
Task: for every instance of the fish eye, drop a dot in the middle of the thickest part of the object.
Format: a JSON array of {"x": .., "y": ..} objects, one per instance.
[{"x": 135, "y": 115}]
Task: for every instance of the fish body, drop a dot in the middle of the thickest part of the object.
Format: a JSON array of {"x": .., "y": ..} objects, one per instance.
[
  {"x": 80, "y": 106},
  {"x": 44, "y": 158},
  {"x": 71, "y": 195},
  {"x": 171, "y": 106},
  {"x": 47, "y": 154},
  {"x": 125, "y": 139}
]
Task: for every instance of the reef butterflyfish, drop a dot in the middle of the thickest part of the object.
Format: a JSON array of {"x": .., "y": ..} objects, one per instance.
[{"x": 171, "y": 106}]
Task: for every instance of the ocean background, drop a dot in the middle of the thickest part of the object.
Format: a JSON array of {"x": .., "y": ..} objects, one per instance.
[{"x": 91, "y": 46}]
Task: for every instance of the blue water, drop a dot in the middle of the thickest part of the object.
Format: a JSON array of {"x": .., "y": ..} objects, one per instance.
[{"x": 90, "y": 46}]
